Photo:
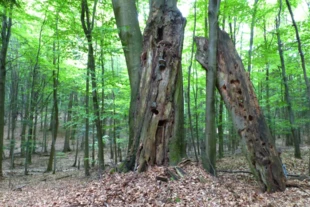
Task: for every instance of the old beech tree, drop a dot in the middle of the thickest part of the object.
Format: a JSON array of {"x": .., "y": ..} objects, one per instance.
[
  {"x": 158, "y": 133},
  {"x": 237, "y": 92}
]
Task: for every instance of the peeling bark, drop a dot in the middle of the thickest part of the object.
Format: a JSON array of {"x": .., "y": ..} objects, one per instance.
[
  {"x": 159, "y": 109},
  {"x": 237, "y": 92}
]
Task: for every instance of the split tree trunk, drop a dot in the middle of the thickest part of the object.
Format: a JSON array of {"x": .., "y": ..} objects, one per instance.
[
  {"x": 237, "y": 91},
  {"x": 159, "y": 111}
]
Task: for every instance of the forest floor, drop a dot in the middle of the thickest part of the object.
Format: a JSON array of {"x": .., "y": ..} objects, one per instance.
[{"x": 69, "y": 186}]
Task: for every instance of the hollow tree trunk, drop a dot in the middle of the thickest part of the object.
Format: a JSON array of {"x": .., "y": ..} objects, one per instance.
[
  {"x": 237, "y": 91},
  {"x": 159, "y": 111}
]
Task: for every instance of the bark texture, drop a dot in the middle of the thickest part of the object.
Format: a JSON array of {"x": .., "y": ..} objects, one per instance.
[
  {"x": 237, "y": 92},
  {"x": 126, "y": 17},
  {"x": 5, "y": 39},
  {"x": 159, "y": 109}
]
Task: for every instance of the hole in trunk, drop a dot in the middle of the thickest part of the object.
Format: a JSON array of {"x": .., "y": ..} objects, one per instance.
[
  {"x": 160, "y": 34},
  {"x": 224, "y": 87},
  {"x": 239, "y": 91},
  {"x": 155, "y": 111},
  {"x": 250, "y": 118},
  {"x": 236, "y": 65},
  {"x": 234, "y": 82},
  {"x": 161, "y": 123}
]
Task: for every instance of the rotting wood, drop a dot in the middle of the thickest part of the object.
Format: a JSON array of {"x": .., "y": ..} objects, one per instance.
[
  {"x": 180, "y": 171},
  {"x": 238, "y": 94},
  {"x": 172, "y": 174},
  {"x": 159, "y": 137},
  {"x": 62, "y": 177},
  {"x": 164, "y": 179}
]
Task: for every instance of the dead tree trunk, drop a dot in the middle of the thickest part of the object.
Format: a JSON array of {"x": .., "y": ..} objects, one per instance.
[
  {"x": 159, "y": 110},
  {"x": 237, "y": 91}
]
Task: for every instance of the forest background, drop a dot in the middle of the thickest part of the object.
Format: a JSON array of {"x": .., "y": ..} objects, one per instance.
[{"x": 46, "y": 61}]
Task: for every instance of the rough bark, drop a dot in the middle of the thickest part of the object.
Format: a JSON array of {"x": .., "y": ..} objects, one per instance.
[
  {"x": 159, "y": 111},
  {"x": 237, "y": 91},
  {"x": 129, "y": 32}
]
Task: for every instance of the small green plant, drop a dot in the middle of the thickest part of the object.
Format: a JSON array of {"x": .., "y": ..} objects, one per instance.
[
  {"x": 177, "y": 200},
  {"x": 60, "y": 154}
]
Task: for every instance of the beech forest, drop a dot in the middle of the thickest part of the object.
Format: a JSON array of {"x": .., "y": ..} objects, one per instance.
[{"x": 154, "y": 103}]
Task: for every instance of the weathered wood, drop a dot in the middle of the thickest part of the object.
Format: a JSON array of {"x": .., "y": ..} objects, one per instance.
[
  {"x": 164, "y": 179},
  {"x": 237, "y": 91},
  {"x": 172, "y": 174},
  {"x": 159, "y": 109},
  {"x": 180, "y": 171}
]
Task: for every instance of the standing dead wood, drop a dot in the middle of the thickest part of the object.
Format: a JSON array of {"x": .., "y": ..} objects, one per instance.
[{"x": 237, "y": 92}]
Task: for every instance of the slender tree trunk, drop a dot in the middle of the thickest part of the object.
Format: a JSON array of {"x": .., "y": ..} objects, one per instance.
[
  {"x": 252, "y": 36},
  {"x": 269, "y": 121},
  {"x": 45, "y": 130},
  {"x": 25, "y": 104},
  {"x": 196, "y": 111},
  {"x": 55, "y": 101},
  {"x": 93, "y": 148},
  {"x": 238, "y": 94},
  {"x": 14, "y": 113},
  {"x": 5, "y": 39},
  {"x": 287, "y": 95},
  {"x": 220, "y": 129},
  {"x": 129, "y": 32},
  {"x": 68, "y": 128},
  {"x": 86, "y": 149},
  {"x": 300, "y": 50},
  {"x": 210, "y": 160},
  {"x": 88, "y": 26},
  {"x": 189, "y": 88},
  {"x": 33, "y": 102}
]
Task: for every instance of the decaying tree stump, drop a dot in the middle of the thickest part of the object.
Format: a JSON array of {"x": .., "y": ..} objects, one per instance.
[
  {"x": 158, "y": 134},
  {"x": 237, "y": 91}
]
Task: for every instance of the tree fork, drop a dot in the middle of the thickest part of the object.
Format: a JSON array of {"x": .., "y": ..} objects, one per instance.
[{"x": 237, "y": 91}]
